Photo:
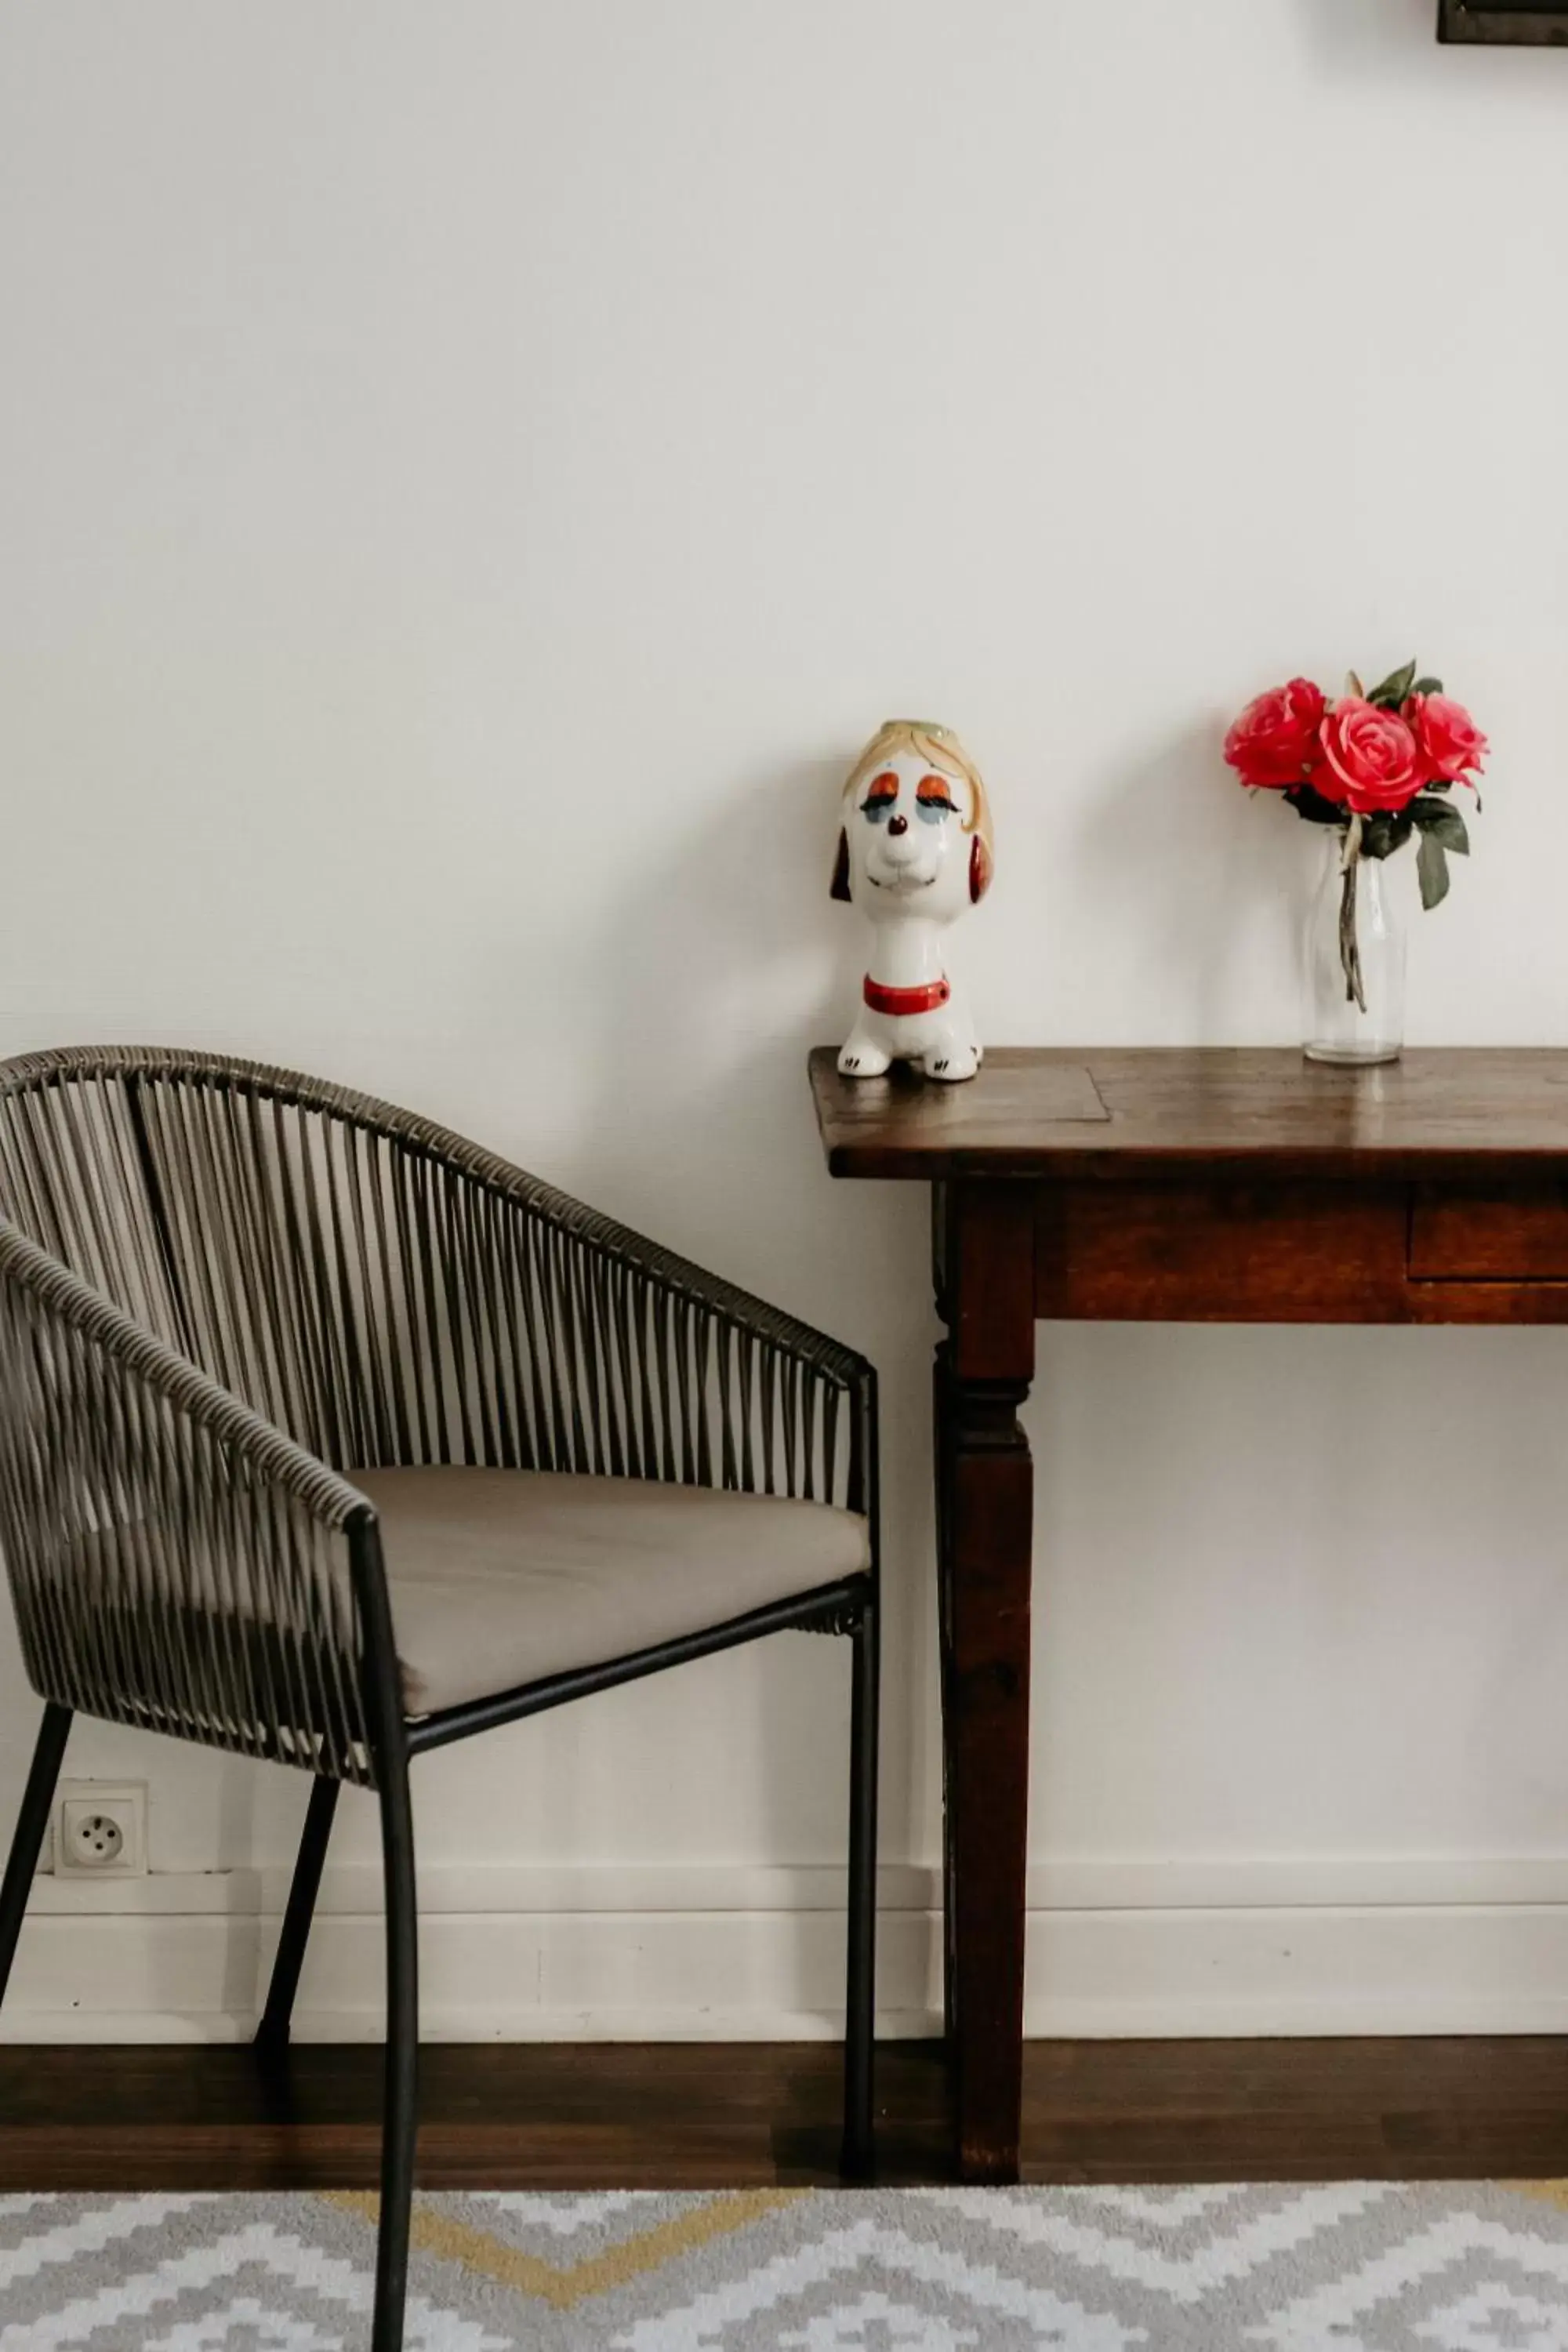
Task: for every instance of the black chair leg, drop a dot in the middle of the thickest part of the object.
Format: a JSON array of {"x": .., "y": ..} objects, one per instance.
[
  {"x": 33, "y": 1821},
  {"x": 400, "y": 2114},
  {"x": 860, "y": 2003},
  {"x": 272, "y": 2033}
]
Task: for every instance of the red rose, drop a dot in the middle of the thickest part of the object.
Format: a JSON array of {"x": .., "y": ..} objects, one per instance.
[
  {"x": 1450, "y": 743},
  {"x": 1274, "y": 741},
  {"x": 1371, "y": 755}
]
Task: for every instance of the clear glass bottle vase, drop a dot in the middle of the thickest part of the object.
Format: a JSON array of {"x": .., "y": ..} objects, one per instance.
[{"x": 1354, "y": 1000}]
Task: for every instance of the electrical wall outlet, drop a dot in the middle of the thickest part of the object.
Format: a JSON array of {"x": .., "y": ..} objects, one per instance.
[{"x": 100, "y": 1829}]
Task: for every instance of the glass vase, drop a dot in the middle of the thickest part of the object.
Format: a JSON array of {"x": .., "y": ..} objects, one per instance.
[{"x": 1353, "y": 1008}]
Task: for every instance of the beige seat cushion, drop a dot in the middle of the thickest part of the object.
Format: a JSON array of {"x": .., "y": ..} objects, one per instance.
[{"x": 500, "y": 1577}]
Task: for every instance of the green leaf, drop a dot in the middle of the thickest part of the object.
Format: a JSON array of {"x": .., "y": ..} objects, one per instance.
[
  {"x": 1432, "y": 869},
  {"x": 1428, "y": 685},
  {"x": 1389, "y": 830},
  {"x": 1314, "y": 806},
  {"x": 1393, "y": 688},
  {"x": 1438, "y": 820}
]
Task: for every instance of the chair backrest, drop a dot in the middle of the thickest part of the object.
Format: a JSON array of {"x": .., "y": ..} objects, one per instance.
[
  {"x": 256, "y": 1222},
  {"x": 386, "y": 1294},
  {"x": 76, "y": 1176}
]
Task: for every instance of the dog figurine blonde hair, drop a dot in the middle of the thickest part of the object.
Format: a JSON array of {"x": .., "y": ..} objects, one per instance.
[{"x": 914, "y": 854}]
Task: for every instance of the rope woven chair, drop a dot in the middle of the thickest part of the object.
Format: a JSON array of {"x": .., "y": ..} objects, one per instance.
[{"x": 330, "y": 1438}]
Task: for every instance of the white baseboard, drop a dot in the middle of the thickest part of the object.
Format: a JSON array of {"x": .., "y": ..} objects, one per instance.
[{"x": 1117, "y": 1949}]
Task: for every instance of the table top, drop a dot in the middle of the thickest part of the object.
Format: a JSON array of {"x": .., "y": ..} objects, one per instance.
[{"x": 1060, "y": 1112}]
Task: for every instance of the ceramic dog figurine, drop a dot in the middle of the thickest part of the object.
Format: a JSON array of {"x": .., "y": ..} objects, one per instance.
[{"x": 914, "y": 853}]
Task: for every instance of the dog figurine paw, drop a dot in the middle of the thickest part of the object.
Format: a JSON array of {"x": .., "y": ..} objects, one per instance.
[{"x": 914, "y": 854}]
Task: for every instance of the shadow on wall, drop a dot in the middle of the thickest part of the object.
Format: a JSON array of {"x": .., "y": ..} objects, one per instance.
[
  {"x": 717, "y": 971},
  {"x": 1351, "y": 32},
  {"x": 1205, "y": 891}
]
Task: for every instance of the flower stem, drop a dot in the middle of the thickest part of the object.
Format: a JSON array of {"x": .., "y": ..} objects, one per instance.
[{"x": 1350, "y": 944}]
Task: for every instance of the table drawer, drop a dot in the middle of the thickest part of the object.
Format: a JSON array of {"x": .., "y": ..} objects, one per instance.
[
  {"x": 1461, "y": 1234},
  {"x": 1223, "y": 1252}
]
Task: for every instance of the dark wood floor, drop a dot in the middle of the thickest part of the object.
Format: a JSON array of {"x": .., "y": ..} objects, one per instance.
[{"x": 735, "y": 2114}]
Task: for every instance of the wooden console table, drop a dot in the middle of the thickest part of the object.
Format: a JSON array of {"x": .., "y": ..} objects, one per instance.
[{"x": 1180, "y": 1186}]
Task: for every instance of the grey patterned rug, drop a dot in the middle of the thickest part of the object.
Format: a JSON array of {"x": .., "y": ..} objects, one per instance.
[{"x": 1357, "y": 2267}]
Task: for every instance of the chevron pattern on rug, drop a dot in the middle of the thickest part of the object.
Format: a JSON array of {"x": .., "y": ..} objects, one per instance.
[{"x": 1373, "y": 2266}]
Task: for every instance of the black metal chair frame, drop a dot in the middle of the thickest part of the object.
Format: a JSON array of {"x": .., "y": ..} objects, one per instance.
[{"x": 338, "y": 1281}]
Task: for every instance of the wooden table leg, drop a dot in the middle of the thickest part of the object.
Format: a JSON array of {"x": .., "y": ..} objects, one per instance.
[{"x": 984, "y": 1510}]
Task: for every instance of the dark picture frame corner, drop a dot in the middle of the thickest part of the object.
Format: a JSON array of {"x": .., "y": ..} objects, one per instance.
[{"x": 1542, "y": 24}]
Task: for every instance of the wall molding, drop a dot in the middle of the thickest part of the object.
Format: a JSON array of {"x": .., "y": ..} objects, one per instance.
[
  {"x": 696, "y": 1952},
  {"x": 1246, "y": 1883}
]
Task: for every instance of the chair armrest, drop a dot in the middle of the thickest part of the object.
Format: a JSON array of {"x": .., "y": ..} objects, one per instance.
[{"x": 174, "y": 1560}]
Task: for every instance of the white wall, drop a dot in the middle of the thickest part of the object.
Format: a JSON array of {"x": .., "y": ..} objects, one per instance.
[{"x": 473, "y": 475}]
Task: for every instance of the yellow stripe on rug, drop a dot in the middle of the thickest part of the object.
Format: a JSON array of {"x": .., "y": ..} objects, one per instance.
[
  {"x": 475, "y": 2250},
  {"x": 1546, "y": 2192}
]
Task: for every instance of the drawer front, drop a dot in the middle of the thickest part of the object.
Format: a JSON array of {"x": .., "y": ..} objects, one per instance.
[
  {"x": 1222, "y": 1252},
  {"x": 1460, "y": 1234}
]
